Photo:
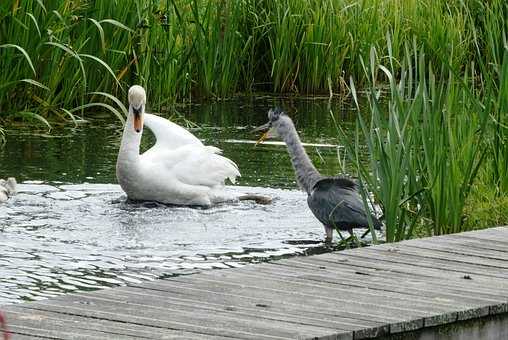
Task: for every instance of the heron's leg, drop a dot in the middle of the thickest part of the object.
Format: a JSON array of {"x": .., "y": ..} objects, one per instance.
[
  {"x": 365, "y": 233},
  {"x": 329, "y": 234},
  {"x": 354, "y": 238},
  {"x": 340, "y": 234}
]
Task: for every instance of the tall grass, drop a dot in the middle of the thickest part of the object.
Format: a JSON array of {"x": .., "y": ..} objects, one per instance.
[
  {"x": 440, "y": 136},
  {"x": 425, "y": 146},
  {"x": 57, "y": 52},
  {"x": 492, "y": 54},
  {"x": 499, "y": 141}
]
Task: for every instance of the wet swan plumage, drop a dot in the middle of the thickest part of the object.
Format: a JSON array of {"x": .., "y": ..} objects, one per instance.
[{"x": 178, "y": 169}]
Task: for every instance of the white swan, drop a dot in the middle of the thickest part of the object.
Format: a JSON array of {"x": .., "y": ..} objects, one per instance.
[
  {"x": 178, "y": 169},
  {"x": 7, "y": 188}
]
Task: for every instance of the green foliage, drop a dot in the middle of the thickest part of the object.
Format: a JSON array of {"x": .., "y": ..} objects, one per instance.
[
  {"x": 438, "y": 132},
  {"x": 425, "y": 148},
  {"x": 59, "y": 52},
  {"x": 485, "y": 208},
  {"x": 445, "y": 64}
]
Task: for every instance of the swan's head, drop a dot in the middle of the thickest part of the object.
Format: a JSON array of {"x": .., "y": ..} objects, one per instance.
[
  {"x": 278, "y": 125},
  {"x": 137, "y": 101}
]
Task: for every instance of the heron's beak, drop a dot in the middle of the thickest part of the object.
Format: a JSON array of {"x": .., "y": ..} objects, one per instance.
[
  {"x": 265, "y": 135},
  {"x": 138, "y": 119}
]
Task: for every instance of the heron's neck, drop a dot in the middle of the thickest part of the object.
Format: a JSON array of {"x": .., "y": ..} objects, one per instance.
[{"x": 306, "y": 173}]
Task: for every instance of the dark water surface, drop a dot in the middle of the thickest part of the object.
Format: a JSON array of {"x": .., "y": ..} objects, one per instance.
[{"x": 70, "y": 229}]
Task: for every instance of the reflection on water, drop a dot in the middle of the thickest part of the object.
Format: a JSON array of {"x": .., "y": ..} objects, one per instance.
[
  {"x": 88, "y": 153},
  {"x": 60, "y": 234}
]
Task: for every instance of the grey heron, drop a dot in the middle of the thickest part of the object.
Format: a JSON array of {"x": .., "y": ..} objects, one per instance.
[{"x": 334, "y": 201}]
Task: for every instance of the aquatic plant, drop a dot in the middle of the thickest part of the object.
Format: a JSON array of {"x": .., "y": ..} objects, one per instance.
[
  {"x": 59, "y": 52},
  {"x": 425, "y": 145},
  {"x": 494, "y": 77},
  {"x": 49, "y": 53}
]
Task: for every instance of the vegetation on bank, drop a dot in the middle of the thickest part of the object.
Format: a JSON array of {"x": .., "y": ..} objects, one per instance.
[
  {"x": 55, "y": 54},
  {"x": 438, "y": 149},
  {"x": 438, "y": 152}
]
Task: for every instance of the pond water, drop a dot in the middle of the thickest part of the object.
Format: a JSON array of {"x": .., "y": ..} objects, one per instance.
[{"x": 70, "y": 228}]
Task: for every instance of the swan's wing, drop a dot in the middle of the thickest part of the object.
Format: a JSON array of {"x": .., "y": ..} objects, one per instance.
[
  {"x": 193, "y": 165},
  {"x": 205, "y": 166},
  {"x": 169, "y": 135}
]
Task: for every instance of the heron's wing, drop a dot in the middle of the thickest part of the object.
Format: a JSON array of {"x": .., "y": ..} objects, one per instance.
[
  {"x": 335, "y": 202},
  {"x": 341, "y": 182},
  {"x": 169, "y": 135}
]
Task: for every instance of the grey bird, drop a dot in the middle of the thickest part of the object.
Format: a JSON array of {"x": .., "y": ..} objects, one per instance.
[{"x": 334, "y": 201}]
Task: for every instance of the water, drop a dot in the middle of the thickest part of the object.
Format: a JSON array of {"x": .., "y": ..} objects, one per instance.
[{"x": 70, "y": 228}]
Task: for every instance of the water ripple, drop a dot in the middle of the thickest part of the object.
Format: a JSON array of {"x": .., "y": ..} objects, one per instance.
[{"x": 65, "y": 238}]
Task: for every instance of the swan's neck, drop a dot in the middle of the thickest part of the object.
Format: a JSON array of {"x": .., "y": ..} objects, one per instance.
[
  {"x": 306, "y": 173},
  {"x": 131, "y": 140}
]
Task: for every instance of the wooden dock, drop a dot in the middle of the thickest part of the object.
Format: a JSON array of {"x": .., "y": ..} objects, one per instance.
[{"x": 450, "y": 287}]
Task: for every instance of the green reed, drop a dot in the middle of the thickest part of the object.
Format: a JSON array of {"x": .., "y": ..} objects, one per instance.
[
  {"x": 492, "y": 54},
  {"x": 426, "y": 145},
  {"x": 59, "y": 52}
]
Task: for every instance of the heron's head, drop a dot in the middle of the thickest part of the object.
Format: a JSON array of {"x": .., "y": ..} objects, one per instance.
[
  {"x": 137, "y": 101},
  {"x": 278, "y": 122}
]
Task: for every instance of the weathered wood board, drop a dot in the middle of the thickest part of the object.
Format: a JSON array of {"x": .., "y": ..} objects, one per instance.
[{"x": 351, "y": 294}]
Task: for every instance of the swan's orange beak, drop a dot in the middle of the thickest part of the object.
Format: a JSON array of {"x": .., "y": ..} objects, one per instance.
[
  {"x": 138, "y": 119},
  {"x": 138, "y": 123}
]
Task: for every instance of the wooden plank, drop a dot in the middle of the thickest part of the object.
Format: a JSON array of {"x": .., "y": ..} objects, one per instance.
[
  {"x": 379, "y": 280},
  {"x": 19, "y": 336},
  {"x": 298, "y": 314},
  {"x": 353, "y": 294},
  {"x": 481, "y": 243},
  {"x": 197, "y": 330},
  {"x": 466, "y": 312},
  {"x": 17, "y": 317},
  {"x": 329, "y": 296},
  {"x": 413, "y": 289},
  {"x": 464, "y": 239},
  {"x": 194, "y": 320},
  {"x": 439, "y": 311},
  {"x": 490, "y": 235},
  {"x": 461, "y": 247},
  {"x": 56, "y": 330},
  {"x": 157, "y": 298},
  {"x": 379, "y": 267},
  {"x": 184, "y": 294},
  {"x": 266, "y": 299},
  {"x": 500, "y": 231},
  {"x": 389, "y": 266},
  {"x": 469, "y": 307},
  {"x": 346, "y": 307},
  {"x": 363, "y": 293},
  {"x": 432, "y": 254},
  {"x": 454, "y": 269},
  {"x": 401, "y": 256}
]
